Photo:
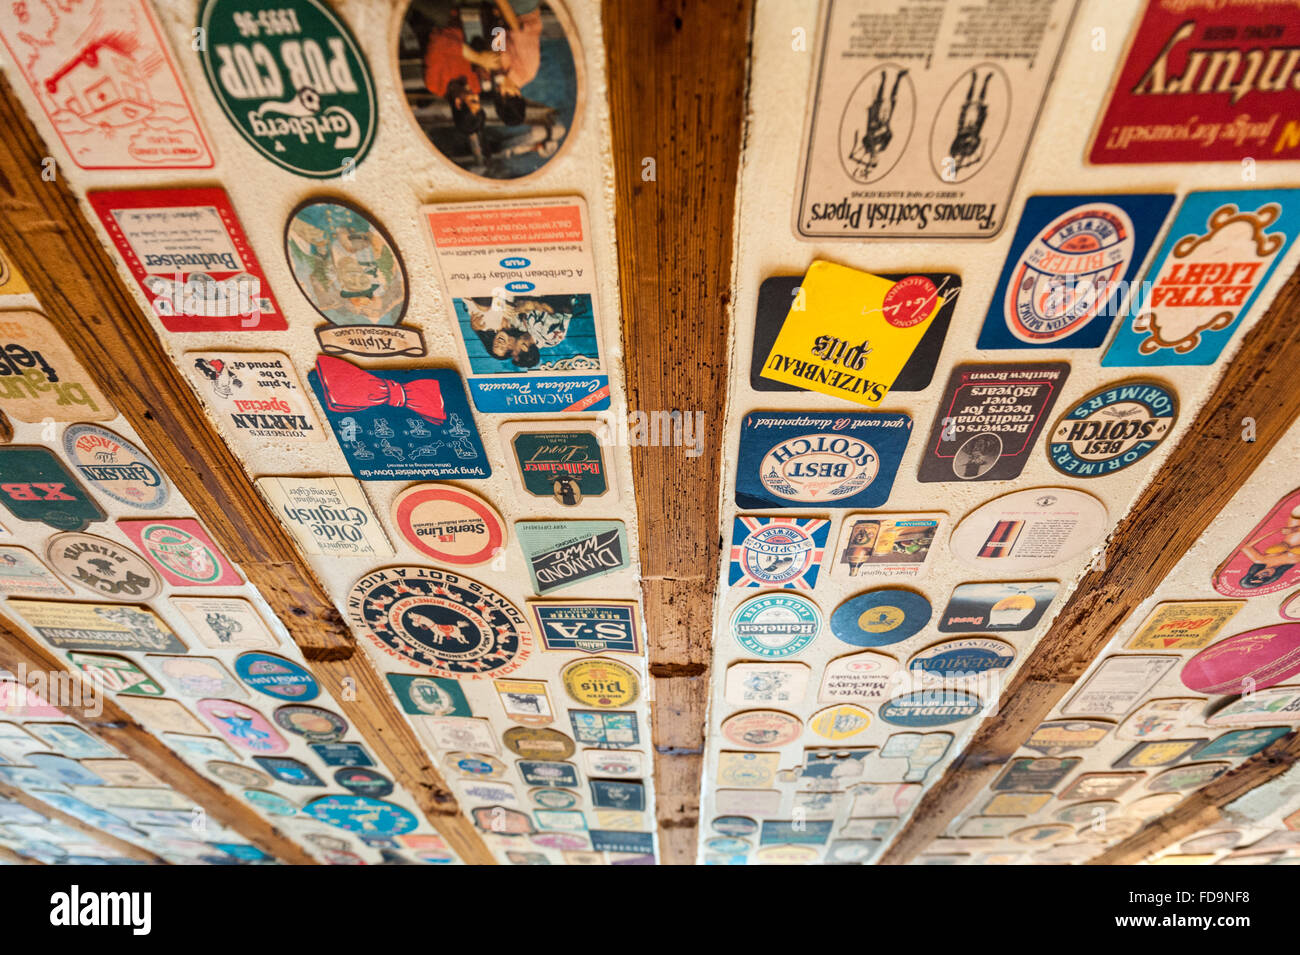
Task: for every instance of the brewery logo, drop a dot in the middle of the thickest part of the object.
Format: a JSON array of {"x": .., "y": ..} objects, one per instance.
[
  {"x": 777, "y": 551},
  {"x": 548, "y": 773},
  {"x": 1254, "y": 660},
  {"x": 115, "y": 466},
  {"x": 1157, "y": 753},
  {"x": 840, "y": 722},
  {"x": 450, "y": 525},
  {"x": 363, "y": 782},
  {"x": 1070, "y": 263},
  {"x": 997, "y": 606},
  {"x": 447, "y": 624},
  {"x": 476, "y": 765},
  {"x": 626, "y": 795},
  {"x": 95, "y": 627},
  {"x": 776, "y": 625},
  {"x": 538, "y": 743},
  {"x": 108, "y": 568},
  {"x": 566, "y": 466},
  {"x": 921, "y": 709},
  {"x": 183, "y": 552},
  {"x": 602, "y": 762},
  {"x": 606, "y": 684},
  {"x": 590, "y": 626},
  {"x": 197, "y": 676},
  {"x": 555, "y": 799},
  {"x": 329, "y": 516},
  {"x": 879, "y": 618},
  {"x": 962, "y": 659},
  {"x": 859, "y": 676},
  {"x": 1183, "y": 625},
  {"x": 293, "y": 81},
  {"x": 277, "y": 677},
  {"x": 257, "y": 397},
  {"x": 848, "y": 460},
  {"x": 762, "y": 729},
  {"x": 428, "y": 695},
  {"x": 563, "y": 553},
  {"x": 115, "y": 673},
  {"x": 311, "y": 722},
  {"x": 38, "y": 487},
  {"x": 886, "y": 546},
  {"x": 1112, "y": 428},
  {"x": 735, "y": 826},
  {"x": 1099, "y": 786}
]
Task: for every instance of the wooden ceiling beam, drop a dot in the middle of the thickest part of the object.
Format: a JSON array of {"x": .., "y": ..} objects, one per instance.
[
  {"x": 677, "y": 73},
  {"x": 113, "y": 725},
  {"x": 54, "y": 247},
  {"x": 1209, "y": 465}
]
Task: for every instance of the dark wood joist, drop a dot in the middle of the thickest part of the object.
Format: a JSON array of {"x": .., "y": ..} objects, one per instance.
[
  {"x": 677, "y": 77},
  {"x": 1203, "y": 808},
  {"x": 1211, "y": 462},
  {"x": 21, "y": 653},
  {"x": 120, "y": 846},
  {"x": 50, "y": 241}
]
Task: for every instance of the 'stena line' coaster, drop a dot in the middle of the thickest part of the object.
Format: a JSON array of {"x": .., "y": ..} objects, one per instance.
[
  {"x": 879, "y": 618},
  {"x": 450, "y": 525},
  {"x": 776, "y": 625},
  {"x": 445, "y": 624}
]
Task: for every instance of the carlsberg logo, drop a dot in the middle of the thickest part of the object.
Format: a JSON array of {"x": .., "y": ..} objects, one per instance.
[{"x": 103, "y": 908}]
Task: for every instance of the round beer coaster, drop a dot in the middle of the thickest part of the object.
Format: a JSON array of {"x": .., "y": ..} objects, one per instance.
[
  {"x": 1030, "y": 530},
  {"x": 762, "y": 729},
  {"x": 776, "y": 625},
  {"x": 879, "y": 618},
  {"x": 840, "y": 722},
  {"x": 276, "y": 677},
  {"x": 446, "y": 624},
  {"x": 363, "y": 782},
  {"x": 362, "y": 814},
  {"x": 103, "y": 566},
  {"x": 1254, "y": 660},
  {"x": 921, "y": 709},
  {"x": 605, "y": 684},
  {"x": 314, "y": 724},
  {"x": 964, "y": 659},
  {"x": 529, "y": 742},
  {"x": 450, "y": 525},
  {"x": 115, "y": 466},
  {"x": 1113, "y": 428}
]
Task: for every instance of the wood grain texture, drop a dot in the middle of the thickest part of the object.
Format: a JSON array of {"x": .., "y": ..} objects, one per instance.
[
  {"x": 120, "y": 846},
  {"x": 676, "y": 71},
  {"x": 1200, "y": 476},
  {"x": 21, "y": 653},
  {"x": 1203, "y": 808},
  {"x": 52, "y": 244}
]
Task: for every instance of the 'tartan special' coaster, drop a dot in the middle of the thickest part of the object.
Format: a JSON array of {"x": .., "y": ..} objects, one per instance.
[
  {"x": 879, "y": 618},
  {"x": 441, "y": 622},
  {"x": 1254, "y": 660},
  {"x": 448, "y": 524},
  {"x": 106, "y": 567},
  {"x": 989, "y": 419},
  {"x": 777, "y": 551},
  {"x": 1183, "y": 625},
  {"x": 191, "y": 258},
  {"x": 183, "y": 552},
  {"x": 605, "y": 684},
  {"x": 1268, "y": 558},
  {"x": 329, "y": 516},
  {"x": 1112, "y": 428},
  {"x": 564, "y": 553},
  {"x": 115, "y": 466},
  {"x": 1070, "y": 262},
  {"x": 776, "y": 625},
  {"x": 1013, "y": 606},
  {"x": 256, "y": 399},
  {"x": 38, "y": 487},
  {"x": 805, "y": 459},
  {"x": 588, "y": 626},
  {"x": 1030, "y": 530}
]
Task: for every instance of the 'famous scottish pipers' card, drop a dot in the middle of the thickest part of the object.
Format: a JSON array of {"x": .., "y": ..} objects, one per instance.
[
  {"x": 521, "y": 281},
  {"x": 796, "y": 459},
  {"x": 1069, "y": 269},
  {"x": 406, "y": 425},
  {"x": 778, "y": 293},
  {"x": 1217, "y": 255},
  {"x": 918, "y": 124},
  {"x": 989, "y": 419}
]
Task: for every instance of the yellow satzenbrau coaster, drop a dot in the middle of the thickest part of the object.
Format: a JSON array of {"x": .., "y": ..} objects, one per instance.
[{"x": 849, "y": 333}]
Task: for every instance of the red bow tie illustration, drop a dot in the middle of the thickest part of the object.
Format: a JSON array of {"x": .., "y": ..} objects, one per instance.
[{"x": 348, "y": 388}]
